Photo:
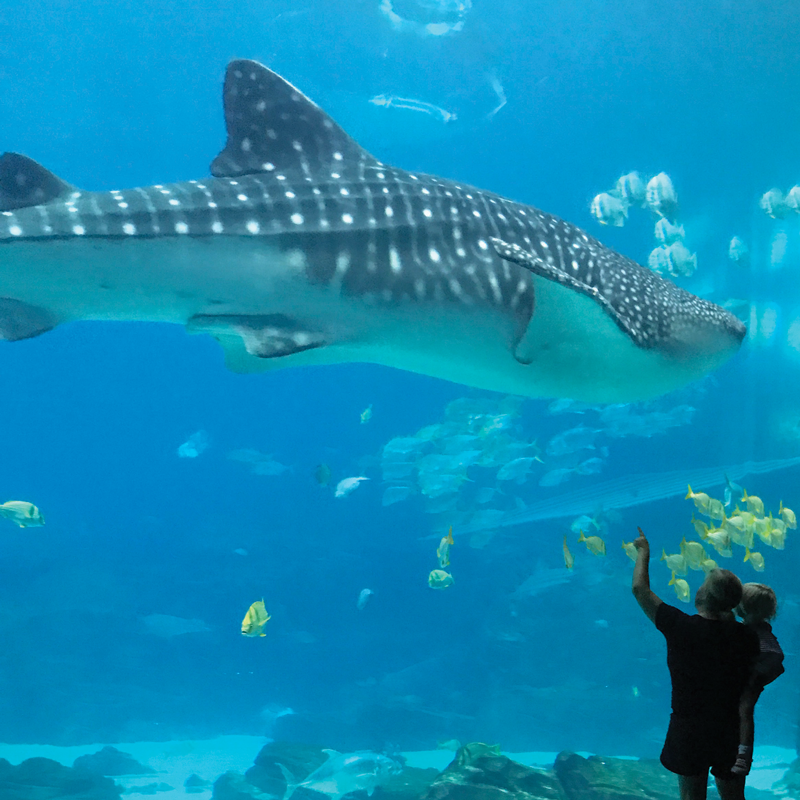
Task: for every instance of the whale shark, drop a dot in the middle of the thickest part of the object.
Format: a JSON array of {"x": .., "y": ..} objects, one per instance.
[{"x": 302, "y": 248}]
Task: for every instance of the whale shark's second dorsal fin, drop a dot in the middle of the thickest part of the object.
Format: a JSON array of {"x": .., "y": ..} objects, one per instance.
[
  {"x": 273, "y": 127},
  {"x": 25, "y": 183}
]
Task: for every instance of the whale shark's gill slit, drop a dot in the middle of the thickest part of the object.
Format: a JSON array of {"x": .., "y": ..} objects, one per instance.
[{"x": 273, "y": 127}]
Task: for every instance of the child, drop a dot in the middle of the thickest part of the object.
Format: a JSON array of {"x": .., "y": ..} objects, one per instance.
[{"x": 758, "y": 606}]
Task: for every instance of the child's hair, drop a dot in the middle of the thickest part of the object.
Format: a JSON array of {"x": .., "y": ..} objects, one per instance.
[{"x": 759, "y": 603}]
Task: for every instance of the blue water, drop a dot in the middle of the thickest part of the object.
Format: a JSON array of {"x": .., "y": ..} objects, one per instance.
[{"x": 112, "y": 95}]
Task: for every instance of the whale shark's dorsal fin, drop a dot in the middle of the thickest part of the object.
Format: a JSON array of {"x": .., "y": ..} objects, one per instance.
[
  {"x": 25, "y": 183},
  {"x": 274, "y": 127}
]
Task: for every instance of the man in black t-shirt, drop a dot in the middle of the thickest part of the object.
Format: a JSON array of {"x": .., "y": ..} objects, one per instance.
[{"x": 710, "y": 657}]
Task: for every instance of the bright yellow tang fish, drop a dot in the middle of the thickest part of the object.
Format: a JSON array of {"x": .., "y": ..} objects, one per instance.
[{"x": 255, "y": 619}]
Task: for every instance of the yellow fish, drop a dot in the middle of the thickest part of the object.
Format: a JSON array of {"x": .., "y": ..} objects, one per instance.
[
  {"x": 676, "y": 563},
  {"x": 787, "y": 515},
  {"x": 630, "y": 550},
  {"x": 439, "y": 579},
  {"x": 763, "y": 529},
  {"x": 708, "y": 565},
  {"x": 701, "y": 500},
  {"x": 26, "y": 515},
  {"x": 366, "y": 414},
  {"x": 443, "y": 550},
  {"x": 255, "y": 619},
  {"x": 594, "y": 544},
  {"x": 720, "y": 541},
  {"x": 756, "y": 559},
  {"x": 777, "y": 538},
  {"x": 754, "y": 504},
  {"x": 737, "y": 528},
  {"x": 716, "y": 510},
  {"x": 700, "y": 527},
  {"x": 694, "y": 553},
  {"x": 682, "y": 589},
  {"x": 569, "y": 561}
]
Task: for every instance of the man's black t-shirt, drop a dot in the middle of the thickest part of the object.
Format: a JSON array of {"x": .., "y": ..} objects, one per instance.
[{"x": 710, "y": 662}]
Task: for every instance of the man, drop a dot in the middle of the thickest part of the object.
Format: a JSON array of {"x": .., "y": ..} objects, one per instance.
[{"x": 710, "y": 657}]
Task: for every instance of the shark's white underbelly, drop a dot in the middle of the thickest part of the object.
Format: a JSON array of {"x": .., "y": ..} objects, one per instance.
[{"x": 176, "y": 279}]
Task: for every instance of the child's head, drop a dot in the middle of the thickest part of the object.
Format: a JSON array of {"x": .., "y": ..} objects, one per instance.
[{"x": 758, "y": 604}]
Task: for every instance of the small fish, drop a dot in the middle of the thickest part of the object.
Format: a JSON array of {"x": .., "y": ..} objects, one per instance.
[
  {"x": 701, "y": 500},
  {"x": 609, "y": 210},
  {"x": 26, "y": 515},
  {"x": 720, "y": 541},
  {"x": 396, "y": 494},
  {"x": 793, "y": 199},
  {"x": 347, "y": 485},
  {"x": 754, "y": 504},
  {"x": 738, "y": 252},
  {"x": 556, "y": 476},
  {"x": 658, "y": 260},
  {"x": 322, "y": 474},
  {"x": 439, "y": 579},
  {"x": 630, "y": 550},
  {"x": 694, "y": 553},
  {"x": 708, "y": 565},
  {"x": 584, "y": 521},
  {"x": 756, "y": 559},
  {"x": 594, "y": 544},
  {"x": 410, "y": 104},
  {"x": 344, "y": 773},
  {"x": 443, "y": 550},
  {"x": 255, "y": 619},
  {"x": 788, "y": 516},
  {"x": 363, "y": 598},
  {"x": 773, "y": 203},
  {"x": 196, "y": 444},
  {"x": 569, "y": 560},
  {"x": 682, "y": 262},
  {"x": 676, "y": 563},
  {"x": 635, "y": 691},
  {"x": 516, "y": 469},
  {"x": 716, "y": 510},
  {"x": 668, "y": 233},
  {"x": 701, "y": 528},
  {"x": 631, "y": 188},
  {"x": 366, "y": 414},
  {"x": 661, "y": 196},
  {"x": 730, "y": 489},
  {"x": 682, "y": 589},
  {"x": 592, "y": 466}
]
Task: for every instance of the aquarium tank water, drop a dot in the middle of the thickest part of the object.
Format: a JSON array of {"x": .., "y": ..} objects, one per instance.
[{"x": 347, "y": 345}]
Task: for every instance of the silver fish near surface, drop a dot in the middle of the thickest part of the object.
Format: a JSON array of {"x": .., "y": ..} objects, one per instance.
[{"x": 305, "y": 249}]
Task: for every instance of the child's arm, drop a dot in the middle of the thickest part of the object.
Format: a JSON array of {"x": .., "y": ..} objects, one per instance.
[{"x": 646, "y": 597}]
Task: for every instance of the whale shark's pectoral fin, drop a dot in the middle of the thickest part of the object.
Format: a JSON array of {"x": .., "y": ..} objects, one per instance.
[
  {"x": 20, "y": 320},
  {"x": 247, "y": 339},
  {"x": 25, "y": 183},
  {"x": 540, "y": 267}
]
